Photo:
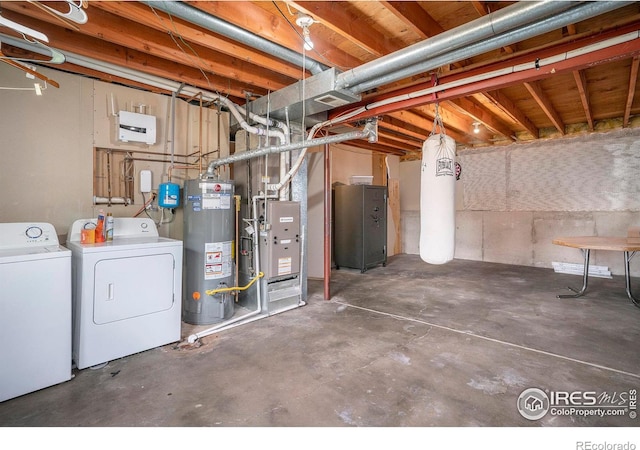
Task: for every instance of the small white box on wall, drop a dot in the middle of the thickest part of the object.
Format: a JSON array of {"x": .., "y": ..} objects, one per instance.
[
  {"x": 135, "y": 127},
  {"x": 145, "y": 181}
]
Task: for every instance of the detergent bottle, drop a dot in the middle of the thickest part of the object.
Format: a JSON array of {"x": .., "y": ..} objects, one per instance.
[
  {"x": 100, "y": 225},
  {"x": 108, "y": 230}
]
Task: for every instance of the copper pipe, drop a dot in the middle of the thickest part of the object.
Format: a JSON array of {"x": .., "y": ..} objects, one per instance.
[
  {"x": 327, "y": 222},
  {"x": 199, "y": 94}
]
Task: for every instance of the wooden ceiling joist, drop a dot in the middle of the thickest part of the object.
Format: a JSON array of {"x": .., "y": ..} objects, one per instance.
[
  {"x": 633, "y": 81},
  {"x": 583, "y": 89},
  {"x": 536, "y": 91},
  {"x": 507, "y": 106}
]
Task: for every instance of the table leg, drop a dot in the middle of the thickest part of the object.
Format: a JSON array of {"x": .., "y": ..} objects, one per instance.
[
  {"x": 585, "y": 279},
  {"x": 627, "y": 278}
]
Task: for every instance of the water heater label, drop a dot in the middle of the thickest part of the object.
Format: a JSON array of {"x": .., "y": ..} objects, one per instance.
[
  {"x": 216, "y": 201},
  {"x": 218, "y": 259},
  {"x": 286, "y": 219}
]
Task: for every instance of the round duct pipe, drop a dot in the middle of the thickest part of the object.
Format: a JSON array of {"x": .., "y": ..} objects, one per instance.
[
  {"x": 517, "y": 15},
  {"x": 573, "y": 15},
  {"x": 212, "y": 23}
]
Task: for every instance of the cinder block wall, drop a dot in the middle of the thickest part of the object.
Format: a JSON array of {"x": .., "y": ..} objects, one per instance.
[{"x": 513, "y": 201}]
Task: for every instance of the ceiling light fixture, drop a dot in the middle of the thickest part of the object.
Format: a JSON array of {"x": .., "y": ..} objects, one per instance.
[
  {"x": 304, "y": 21},
  {"x": 476, "y": 127}
]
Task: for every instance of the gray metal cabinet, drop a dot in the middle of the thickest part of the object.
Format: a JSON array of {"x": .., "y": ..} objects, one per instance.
[{"x": 360, "y": 220}]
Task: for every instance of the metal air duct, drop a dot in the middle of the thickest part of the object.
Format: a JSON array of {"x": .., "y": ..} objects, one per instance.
[
  {"x": 212, "y": 23},
  {"x": 576, "y": 14},
  {"x": 517, "y": 15}
]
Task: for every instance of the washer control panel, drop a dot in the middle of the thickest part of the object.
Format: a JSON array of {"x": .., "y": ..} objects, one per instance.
[{"x": 27, "y": 234}]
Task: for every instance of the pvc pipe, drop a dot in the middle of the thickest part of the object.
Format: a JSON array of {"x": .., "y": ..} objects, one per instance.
[{"x": 111, "y": 200}]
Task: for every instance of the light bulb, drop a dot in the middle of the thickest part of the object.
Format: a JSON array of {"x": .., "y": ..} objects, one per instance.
[{"x": 308, "y": 43}]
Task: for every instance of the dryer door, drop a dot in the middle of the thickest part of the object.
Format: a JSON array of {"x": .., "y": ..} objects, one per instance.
[{"x": 133, "y": 286}]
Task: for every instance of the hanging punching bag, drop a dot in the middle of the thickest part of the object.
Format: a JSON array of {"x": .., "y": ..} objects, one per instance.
[{"x": 437, "y": 199}]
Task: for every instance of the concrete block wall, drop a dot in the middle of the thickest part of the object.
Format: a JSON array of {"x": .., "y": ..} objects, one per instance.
[{"x": 513, "y": 201}]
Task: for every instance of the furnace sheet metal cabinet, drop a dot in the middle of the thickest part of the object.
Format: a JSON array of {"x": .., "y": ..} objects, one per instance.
[{"x": 360, "y": 219}]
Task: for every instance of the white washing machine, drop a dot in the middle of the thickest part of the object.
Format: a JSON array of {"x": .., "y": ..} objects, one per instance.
[
  {"x": 35, "y": 309},
  {"x": 127, "y": 293}
]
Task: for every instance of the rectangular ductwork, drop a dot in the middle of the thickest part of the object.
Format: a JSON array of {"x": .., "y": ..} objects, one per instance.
[{"x": 318, "y": 95}]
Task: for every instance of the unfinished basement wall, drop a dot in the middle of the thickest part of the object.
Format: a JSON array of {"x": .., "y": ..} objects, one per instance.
[
  {"x": 513, "y": 201},
  {"x": 47, "y": 171}
]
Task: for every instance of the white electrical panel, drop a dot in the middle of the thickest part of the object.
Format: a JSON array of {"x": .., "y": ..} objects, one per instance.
[
  {"x": 145, "y": 181},
  {"x": 135, "y": 127}
]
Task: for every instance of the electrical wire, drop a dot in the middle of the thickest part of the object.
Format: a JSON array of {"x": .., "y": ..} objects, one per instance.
[
  {"x": 174, "y": 32},
  {"x": 145, "y": 205}
]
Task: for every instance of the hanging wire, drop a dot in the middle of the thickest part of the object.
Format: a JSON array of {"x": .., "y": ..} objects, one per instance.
[{"x": 173, "y": 32}]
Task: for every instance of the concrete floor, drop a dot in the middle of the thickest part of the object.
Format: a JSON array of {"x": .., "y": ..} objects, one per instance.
[{"x": 406, "y": 345}]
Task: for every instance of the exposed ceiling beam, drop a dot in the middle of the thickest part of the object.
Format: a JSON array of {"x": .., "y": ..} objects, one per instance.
[
  {"x": 422, "y": 117},
  {"x": 400, "y": 125},
  {"x": 505, "y": 104},
  {"x": 601, "y": 56},
  {"x": 389, "y": 140},
  {"x": 385, "y": 136},
  {"x": 182, "y": 30},
  {"x": 486, "y": 118},
  {"x": 339, "y": 19},
  {"x": 376, "y": 147},
  {"x": 583, "y": 90},
  {"x": 545, "y": 104},
  {"x": 129, "y": 34},
  {"x": 633, "y": 80},
  {"x": 415, "y": 17},
  {"x": 276, "y": 28},
  {"x": 133, "y": 59}
]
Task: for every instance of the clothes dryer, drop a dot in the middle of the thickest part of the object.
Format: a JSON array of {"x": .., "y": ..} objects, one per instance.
[{"x": 126, "y": 292}]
